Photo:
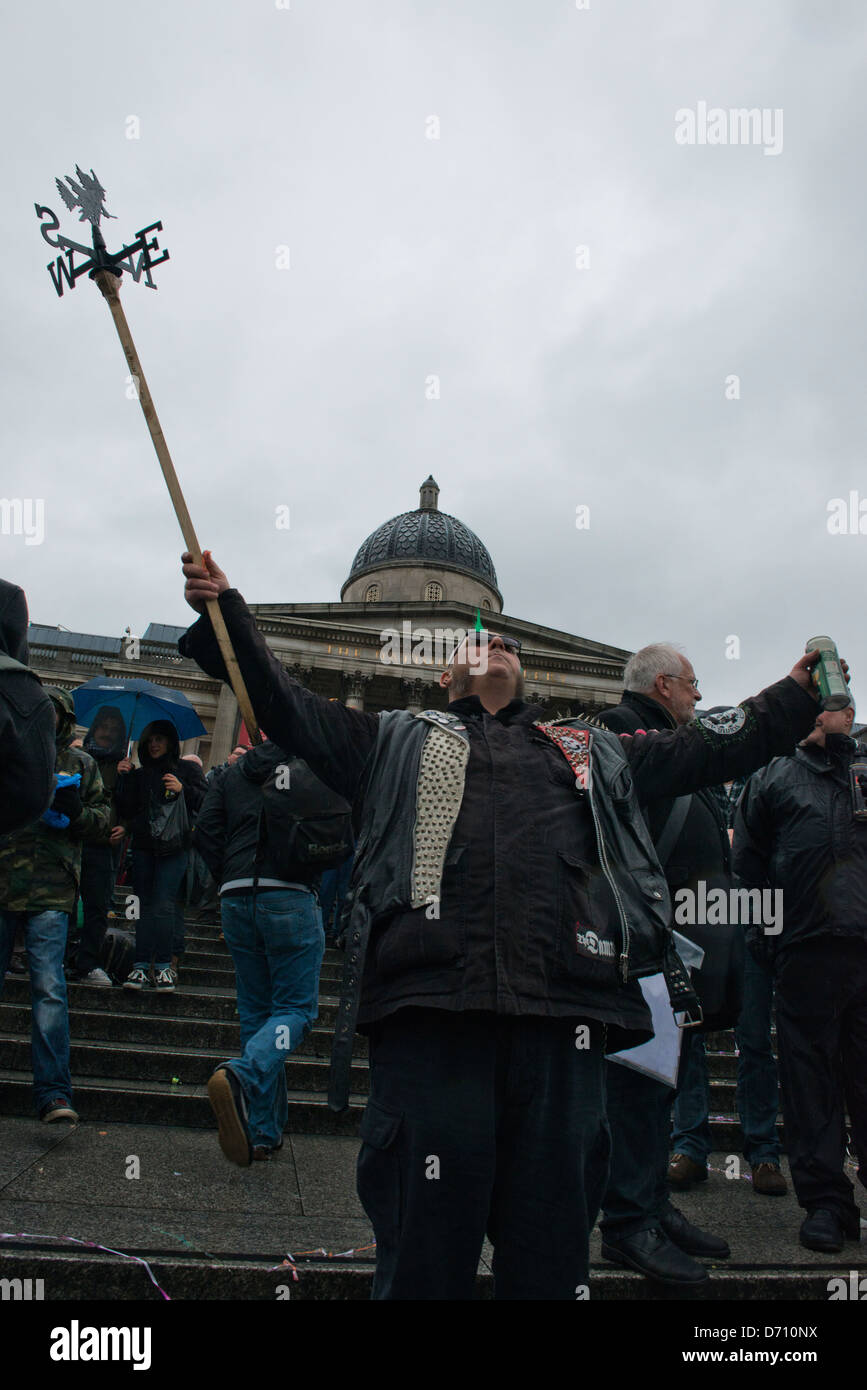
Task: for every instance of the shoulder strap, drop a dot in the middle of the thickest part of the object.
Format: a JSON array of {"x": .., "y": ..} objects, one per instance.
[{"x": 672, "y": 828}]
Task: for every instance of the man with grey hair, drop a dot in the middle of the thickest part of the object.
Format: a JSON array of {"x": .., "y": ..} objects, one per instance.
[{"x": 640, "y": 1227}]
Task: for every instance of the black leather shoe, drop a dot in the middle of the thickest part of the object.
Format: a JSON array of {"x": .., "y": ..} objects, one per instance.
[
  {"x": 822, "y": 1230},
  {"x": 652, "y": 1254},
  {"x": 691, "y": 1239}
]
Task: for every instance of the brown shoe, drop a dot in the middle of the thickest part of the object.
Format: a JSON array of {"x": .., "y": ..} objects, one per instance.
[
  {"x": 768, "y": 1179},
  {"x": 682, "y": 1171}
]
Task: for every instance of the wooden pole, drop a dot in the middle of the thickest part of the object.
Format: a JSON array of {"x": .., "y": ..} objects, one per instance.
[{"x": 110, "y": 287}]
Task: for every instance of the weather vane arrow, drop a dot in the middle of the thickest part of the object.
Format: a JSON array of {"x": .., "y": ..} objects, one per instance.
[{"x": 106, "y": 268}]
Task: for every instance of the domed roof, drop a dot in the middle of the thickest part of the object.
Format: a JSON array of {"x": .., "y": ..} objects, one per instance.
[{"x": 425, "y": 535}]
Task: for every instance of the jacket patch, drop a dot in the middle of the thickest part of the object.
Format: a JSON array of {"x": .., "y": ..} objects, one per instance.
[
  {"x": 587, "y": 943},
  {"x": 574, "y": 744},
  {"x": 728, "y": 721}
]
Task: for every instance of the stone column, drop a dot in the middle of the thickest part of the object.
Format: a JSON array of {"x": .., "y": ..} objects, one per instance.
[
  {"x": 223, "y": 737},
  {"x": 417, "y": 696},
  {"x": 353, "y": 687}
]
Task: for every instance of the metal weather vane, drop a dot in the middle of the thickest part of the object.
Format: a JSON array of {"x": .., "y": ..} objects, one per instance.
[
  {"x": 88, "y": 195},
  {"x": 106, "y": 269}
]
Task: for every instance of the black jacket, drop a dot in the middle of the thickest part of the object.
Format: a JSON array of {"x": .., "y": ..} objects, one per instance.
[
  {"x": 702, "y": 849},
  {"x": 228, "y": 826},
  {"x": 700, "y": 854},
  {"x": 27, "y": 725},
  {"x": 794, "y": 830},
  {"x": 135, "y": 791},
  {"x": 523, "y": 891}
]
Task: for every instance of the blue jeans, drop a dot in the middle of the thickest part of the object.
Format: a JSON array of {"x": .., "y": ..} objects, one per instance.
[
  {"x": 45, "y": 938},
  {"x": 277, "y": 944},
  {"x": 757, "y": 1093},
  {"x": 691, "y": 1134},
  {"x": 156, "y": 881}
]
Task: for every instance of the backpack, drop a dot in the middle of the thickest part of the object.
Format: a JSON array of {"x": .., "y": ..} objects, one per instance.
[{"x": 306, "y": 826}]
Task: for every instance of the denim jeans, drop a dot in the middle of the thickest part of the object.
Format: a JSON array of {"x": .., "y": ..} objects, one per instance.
[
  {"x": 757, "y": 1093},
  {"x": 277, "y": 944},
  {"x": 45, "y": 938},
  {"x": 691, "y": 1134},
  {"x": 156, "y": 881}
]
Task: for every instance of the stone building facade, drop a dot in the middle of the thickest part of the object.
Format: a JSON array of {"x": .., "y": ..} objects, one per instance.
[{"x": 416, "y": 583}]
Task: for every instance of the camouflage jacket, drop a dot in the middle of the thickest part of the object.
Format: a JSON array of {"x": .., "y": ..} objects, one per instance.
[{"x": 40, "y": 868}]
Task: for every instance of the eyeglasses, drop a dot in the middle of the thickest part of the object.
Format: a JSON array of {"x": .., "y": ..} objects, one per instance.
[
  {"x": 673, "y": 677},
  {"x": 484, "y": 638}
]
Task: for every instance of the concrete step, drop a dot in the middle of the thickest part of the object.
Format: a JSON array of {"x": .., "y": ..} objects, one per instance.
[
  {"x": 85, "y": 1276},
  {"x": 145, "y": 1029},
  {"x": 104, "y": 1100},
  {"x": 131, "y": 1062},
  {"x": 188, "y": 1001}
]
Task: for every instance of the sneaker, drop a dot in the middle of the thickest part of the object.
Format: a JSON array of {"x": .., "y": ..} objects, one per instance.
[
  {"x": 164, "y": 980},
  {"x": 227, "y": 1102},
  {"x": 768, "y": 1180},
  {"x": 58, "y": 1110},
  {"x": 683, "y": 1171},
  {"x": 136, "y": 979},
  {"x": 262, "y": 1153},
  {"x": 96, "y": 976},
  {"x": 174, "y": 969}
]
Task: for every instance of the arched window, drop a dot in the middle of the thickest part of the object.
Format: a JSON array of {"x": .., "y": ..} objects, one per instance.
[
  {"x": 486, "y": 603},
  {"x": 433, "y": 593},
  {"x": 372, "y": 593}
]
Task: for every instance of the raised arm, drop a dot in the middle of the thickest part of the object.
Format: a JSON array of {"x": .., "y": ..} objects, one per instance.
[
  {"x": 333, "y": 740},
  {"x": 718, "y": 747}
]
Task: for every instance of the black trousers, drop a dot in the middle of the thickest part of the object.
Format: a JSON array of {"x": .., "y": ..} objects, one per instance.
[
  {"x": 479, "y": 1123},
  {"x": 822, "y": 1043},
  {"x": 639, "y": 1116},
  {"x": 98, "y": 870}
]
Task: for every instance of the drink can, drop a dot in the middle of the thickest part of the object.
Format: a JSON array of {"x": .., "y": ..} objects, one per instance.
[{"x": 828, "y": 673}]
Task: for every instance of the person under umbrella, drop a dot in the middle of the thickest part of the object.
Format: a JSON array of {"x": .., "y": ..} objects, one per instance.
[
  {"x": 146, "y": 805},
  {"x": 106, "y": 742}
]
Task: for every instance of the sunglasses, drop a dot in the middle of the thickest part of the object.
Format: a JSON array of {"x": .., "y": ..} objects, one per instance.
[{"x": 483, "y": 637}]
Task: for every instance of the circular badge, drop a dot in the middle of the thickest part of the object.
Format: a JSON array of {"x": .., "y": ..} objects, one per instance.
[{"x": 728, "y": 721}]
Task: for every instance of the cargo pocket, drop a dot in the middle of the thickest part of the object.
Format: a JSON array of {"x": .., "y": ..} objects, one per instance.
[
  {"x": 378, "y": 1169},
  {"x": 585, "y": 948},
  {"x": 431, "y": 937}
]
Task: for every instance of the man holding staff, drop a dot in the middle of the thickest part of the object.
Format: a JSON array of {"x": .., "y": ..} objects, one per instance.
[{"x": 507, "y": 897}]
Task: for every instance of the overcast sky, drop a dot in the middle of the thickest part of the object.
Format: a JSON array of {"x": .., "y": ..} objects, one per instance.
[{"x": 600, "y": 377}]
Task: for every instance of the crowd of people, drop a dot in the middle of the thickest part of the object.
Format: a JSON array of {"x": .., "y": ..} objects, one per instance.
[{"x": 509, "y": 886}]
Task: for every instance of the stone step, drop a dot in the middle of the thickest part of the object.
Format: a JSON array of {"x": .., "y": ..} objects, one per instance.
[
  {"x": 83, "y": 1276},
  {"x": 139, "y": 1101},
  {"x": 105, "y": 1100},
  {"x": 186, "y": 1001},
  {"x": 132, "y": 1062},
  {"x": 145, "y": 1029}
]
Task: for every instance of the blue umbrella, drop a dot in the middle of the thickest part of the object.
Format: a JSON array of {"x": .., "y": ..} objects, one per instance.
[{"x": 139, "y": 702}]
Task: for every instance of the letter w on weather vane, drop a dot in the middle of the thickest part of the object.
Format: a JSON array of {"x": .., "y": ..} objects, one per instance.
[
  {"x": 106, "y": 269},
  {"x": 88, "y": 195}
]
